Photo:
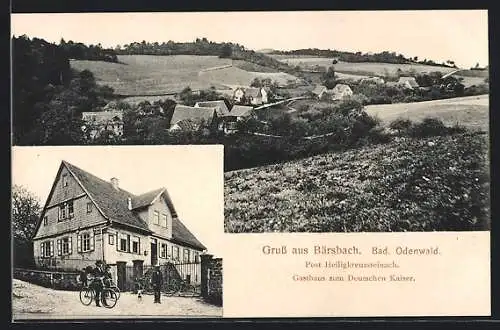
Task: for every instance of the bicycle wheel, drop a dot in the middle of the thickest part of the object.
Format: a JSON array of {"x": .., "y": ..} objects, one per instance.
[
  {"x": 171, "y": 288},
  {"x": 86, "y": 296},
  {"x": 188, "y": 290},
  {"x": 109, "y": 298},
  {"x": 117, "y": 291}
]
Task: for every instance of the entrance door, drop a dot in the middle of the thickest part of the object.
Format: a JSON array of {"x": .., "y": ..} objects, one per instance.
[
  {"x": 121, "y": 274},
  {"x": 154, "y": 251}
]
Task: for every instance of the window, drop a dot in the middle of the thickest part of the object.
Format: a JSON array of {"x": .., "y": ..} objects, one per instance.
[
  {"x": 163, "y": 250},
  {"x": 47, "y": 249},
  {"x": 89, "y": 207},
  {"x": 186, "y": 255},
  {"x": 164, "y": 220},
  {"x": 86, "y": 242},
  {"x": 64, "y": 246},
  {"x": 175, "y": 253},
  {"x": 197, "y": 257},
  {"x": 111, "y": 239},
  {"x": 156, "y": 218},
  {"x": 45, "y": 220},
  {"x": 65, "y": 180},
  {"x": 135, "y": 244},
  {"x": 66, "y": 210},
  {"x": 123, "y": 243}
]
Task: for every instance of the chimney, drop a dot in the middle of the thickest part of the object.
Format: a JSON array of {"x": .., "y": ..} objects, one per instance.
[
  {"x": 129, "y": 203},
  {"x": 114, "y": 183}
]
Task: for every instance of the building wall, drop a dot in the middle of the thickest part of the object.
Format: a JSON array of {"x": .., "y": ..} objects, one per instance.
[
  {"x": 113, "y": 254},
  {"x": 148, "y": 214},
  {"x": 80, "y": 219}
]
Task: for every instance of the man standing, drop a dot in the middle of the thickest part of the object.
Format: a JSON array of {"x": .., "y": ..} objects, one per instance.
[
  {"x": 157, "y": 282},
  {"x": 98, "y": 274}
]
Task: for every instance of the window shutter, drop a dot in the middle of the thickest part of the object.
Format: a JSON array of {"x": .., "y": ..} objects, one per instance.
[
  {"x": 139, "y": 243},
  {"x": 42, "y": 250},
  {"x": 79, "y": 243},
  {"x": 70, "y": 245},
  {"x": 128, "y": 243},
  {"x": 51, "y": 246},
  {"x": 59, "y": 247},
  {"x": 92, "y": 237},
  {"x": 117, "y": 242}
]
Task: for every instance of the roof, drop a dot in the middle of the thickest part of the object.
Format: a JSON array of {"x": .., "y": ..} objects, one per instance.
[
  {"x": 221, "y": 106},
  {"x": 252, "y": 92},
  {"x": 318, "y": 89},
  {"x": 240, "y": 110},
  {"x": 410, "y": 80},
  {"x": 114, "y": 204},
  {"x": 102, "y": 117},
  {"x": 341, "y": 88},
  {"x": 183, "y": 112}
]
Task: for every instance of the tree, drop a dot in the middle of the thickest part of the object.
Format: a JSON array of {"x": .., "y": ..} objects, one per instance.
[
  {"x": 226, "y": 51},
  {"x": 25, "y": 214},
  {"x": 256, "y": 83}
]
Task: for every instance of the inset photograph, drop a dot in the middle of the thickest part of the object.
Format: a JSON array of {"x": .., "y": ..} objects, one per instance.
[{"x": 117, "y": 232}]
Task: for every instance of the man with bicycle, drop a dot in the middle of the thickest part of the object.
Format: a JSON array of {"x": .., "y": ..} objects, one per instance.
[{"x": 97, "y": 283}]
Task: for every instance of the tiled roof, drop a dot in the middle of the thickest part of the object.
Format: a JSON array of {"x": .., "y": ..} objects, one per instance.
[
  {"x": 410, "y": 80},
  {"x": 318, "y": 89},
  {"x": 114, "y": 204},
  {"x": 103, "y": 117},
  {"x": 220, "y": 105},
  {"x": 240, "y": 110},
  {"x": 252, "y": 92},
  {"x": 197, "y": 115}
]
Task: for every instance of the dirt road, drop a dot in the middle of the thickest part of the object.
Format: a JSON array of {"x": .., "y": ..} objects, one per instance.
[
  {"x": 30, "y": 301},
  {"x": 470, "y": 111}
]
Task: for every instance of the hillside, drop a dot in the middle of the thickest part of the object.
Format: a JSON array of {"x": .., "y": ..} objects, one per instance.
[
  {"x": 470, "y": 111},
  {"x": 438, "y": 183}
]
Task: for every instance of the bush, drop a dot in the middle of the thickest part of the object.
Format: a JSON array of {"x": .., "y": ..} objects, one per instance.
[
  {"x": 400, "y": 124},
  {"x": 428, "y": 127}
]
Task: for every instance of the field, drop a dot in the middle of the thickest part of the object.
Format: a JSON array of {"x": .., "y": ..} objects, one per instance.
[
  {"x": 438, "y": 183},
  {"x": 470, "y": 111},
  {"x": 234, "y": 76},
  {"x": 139, "y": 75}
]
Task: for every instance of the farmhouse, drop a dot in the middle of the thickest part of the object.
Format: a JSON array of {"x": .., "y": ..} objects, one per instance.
[
  {"x": 341, "y": 92},
  {"x": 408, "y": 82},
  {"x": 252, "y": 95},
  {"x": 95, "y": 123},
  {"x": 220, "y": 105},
  {"x": 86, "y": 218},
  {"x": 192, "y": 118},
  {"x": 238, "y": 113}
]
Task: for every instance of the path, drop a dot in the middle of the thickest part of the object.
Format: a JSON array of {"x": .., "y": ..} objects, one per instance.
[{"x": 31, "y": 301}]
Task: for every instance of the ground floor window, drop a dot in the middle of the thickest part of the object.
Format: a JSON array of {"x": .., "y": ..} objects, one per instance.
[
  {"x": 64, "y": 246},
  {"x": 136, "y": 244},
  {"x": 163, "y": 250}
]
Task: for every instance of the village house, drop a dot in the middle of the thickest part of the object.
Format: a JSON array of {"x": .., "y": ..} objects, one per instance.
[
  {"x": 374, "y": 80},
  {"x": 192, "y": 118},
  {"x": 95, "y": 123},
  {"x": 252, "y": 95},
  {"x": 219, "y": 105},
  {"x": 86, "y": 218},
  {"x": 341, "y": 92},
  {"x": 408, "y": 82},
  {"x": 237, "y": 113}
]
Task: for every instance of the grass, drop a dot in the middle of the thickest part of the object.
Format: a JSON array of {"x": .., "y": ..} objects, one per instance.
[
  {"x": 470, "y": 111},
  {"x": 139, "y": 75},
  {"x": 438, "y": 183}
]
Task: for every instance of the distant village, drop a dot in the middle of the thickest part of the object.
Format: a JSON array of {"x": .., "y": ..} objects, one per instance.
[{"x": 223, "y": 116}]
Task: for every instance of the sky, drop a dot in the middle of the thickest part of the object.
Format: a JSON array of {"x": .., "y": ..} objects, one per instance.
[
  {"x": 193, "y": 176},
  {"x": 440, "y": 35}
]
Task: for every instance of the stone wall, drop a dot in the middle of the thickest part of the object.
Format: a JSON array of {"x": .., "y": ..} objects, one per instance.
[
  {"x": 48, "y": 279},
  {"x": 214, "y": 294}
]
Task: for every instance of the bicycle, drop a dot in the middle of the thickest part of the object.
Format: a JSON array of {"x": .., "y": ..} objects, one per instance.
[
  {"x": 109, "y": 297},
  {"x": 112, "y": 285},
  {"x": 182, "y": 287}
]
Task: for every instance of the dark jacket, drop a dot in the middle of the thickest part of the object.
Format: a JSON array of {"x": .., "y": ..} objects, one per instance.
[{"x": 157, "y": 278}]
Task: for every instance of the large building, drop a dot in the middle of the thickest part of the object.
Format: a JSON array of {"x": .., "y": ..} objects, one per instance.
[{"x": 87, "y": 218}]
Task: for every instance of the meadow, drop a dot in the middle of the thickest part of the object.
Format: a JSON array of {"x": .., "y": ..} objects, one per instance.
[
  {"x": 409, "y": 184},
  {"x": 139, "y": 75},
  {"x": 470, "y": 111}
]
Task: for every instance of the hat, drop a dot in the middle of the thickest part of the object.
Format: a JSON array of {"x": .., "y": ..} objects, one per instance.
[{"x": 98, "y": 262}]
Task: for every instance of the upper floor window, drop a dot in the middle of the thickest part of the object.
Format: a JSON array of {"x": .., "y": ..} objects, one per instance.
[
  {"x": 66, "y": 210},
  {"x": 65, "y": 180},
  {"x": 164, "y": 220},
  {"x": 175, "y": 253},
  {"x": 156, "y": 217},
  {"x": 89, "y": 207},
  {"x": 123, "y": 243},
  {"x": 197, "y": 257},
  {"x": 111, "y": 239},
  {"x": 136, "y": 244},
  {"x": 45, "y": 220},
  {"x": 186, "y": 255}
]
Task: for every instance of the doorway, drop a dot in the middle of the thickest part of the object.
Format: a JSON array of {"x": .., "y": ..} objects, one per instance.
[
  {"x": 154, "y": 251},
  {"x": 121, "y": 274}
]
